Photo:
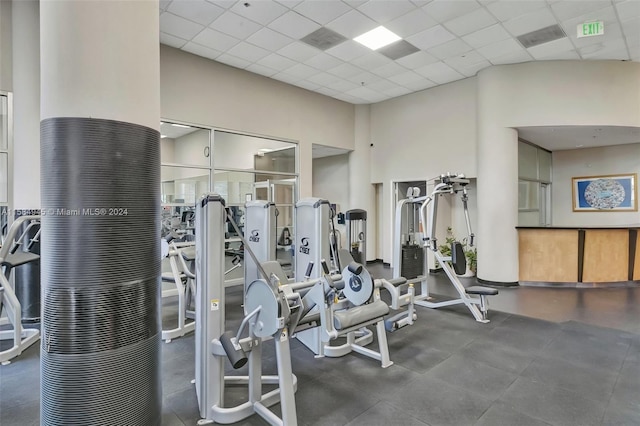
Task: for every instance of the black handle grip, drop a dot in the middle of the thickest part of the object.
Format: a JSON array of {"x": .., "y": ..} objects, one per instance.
[
  {"x": 325, "y": 268},
  {"x": 237, "y": 357},
  {"x": 309, "y": 269}
]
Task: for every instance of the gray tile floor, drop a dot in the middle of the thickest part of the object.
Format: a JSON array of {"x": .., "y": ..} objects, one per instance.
[{"x": 548, "y": 357}]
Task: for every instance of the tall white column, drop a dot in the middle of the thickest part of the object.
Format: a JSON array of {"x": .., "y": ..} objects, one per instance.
[
  {"x": 361, "y": 191},
  {"x": 26, "y": 104},
  {"x": 100, "y": 152},
  {"x": 497, "y": 187}
]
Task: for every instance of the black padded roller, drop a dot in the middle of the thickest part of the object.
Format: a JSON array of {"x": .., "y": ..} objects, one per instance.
[{"x": 236, "y": 357}]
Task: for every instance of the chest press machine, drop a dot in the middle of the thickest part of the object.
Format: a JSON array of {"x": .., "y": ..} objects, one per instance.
[{"x": 402, "y": 290}]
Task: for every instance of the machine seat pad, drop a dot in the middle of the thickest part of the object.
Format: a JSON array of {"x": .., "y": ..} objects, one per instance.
[
  {"x": 360, "y": 314},
  {"x": 484, "y": 291},
  {"x": 19, "y": 258},
  {"x": 188, "y": 253},
  {"x": 397, "y": 281}
]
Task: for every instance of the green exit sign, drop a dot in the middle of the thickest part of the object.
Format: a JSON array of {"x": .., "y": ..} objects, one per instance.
[{"x": 589, "y": 29}]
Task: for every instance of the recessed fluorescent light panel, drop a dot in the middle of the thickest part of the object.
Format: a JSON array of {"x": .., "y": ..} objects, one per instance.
[
  {"x": 182, "y": 126},
  {"x": 377, "y": 38}
]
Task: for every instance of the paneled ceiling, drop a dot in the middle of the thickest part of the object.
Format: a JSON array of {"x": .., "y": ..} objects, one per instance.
[{"x": 451, "y": 39}]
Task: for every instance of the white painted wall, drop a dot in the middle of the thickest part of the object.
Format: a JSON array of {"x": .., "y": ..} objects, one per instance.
[
  {"x": 189, "y": 149},
  {"x": 201, "y": 91},
  {"x": 6, "y": 82},
  {"x": 420, "y": 136},
  {"x": 618, "y": 159},
  {"x": 167, "y": 150}
]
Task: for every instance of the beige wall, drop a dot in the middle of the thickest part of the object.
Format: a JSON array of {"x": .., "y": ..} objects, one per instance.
[
  {"x": 201, "y": 91},
  {"x": 420, "y": 136},
  {"x": 618, "y": 159},
  {"x": 5, "y": 46},
  {"x": 331, "y": 182}
]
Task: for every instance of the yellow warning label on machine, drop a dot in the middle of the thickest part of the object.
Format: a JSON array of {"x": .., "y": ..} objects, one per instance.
[{"x": 215, "y": 304}]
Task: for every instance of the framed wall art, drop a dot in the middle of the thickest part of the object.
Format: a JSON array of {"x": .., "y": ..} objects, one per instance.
[{"x": 605, "y": 193}]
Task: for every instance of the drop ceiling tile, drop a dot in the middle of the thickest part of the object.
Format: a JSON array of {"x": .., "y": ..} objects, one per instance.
[
  {"x": 345, "y": 70},
  {"x": 370, "y": 61},
  {"x": 163, "y": 4},
  {"x": 568, "y": 9},
  {"x": 352, "y": 24},
  {"x": 421, "y": 3},
  {"x": 261, "y": 12},
  {"x": 225, "y": 4},
  {"x": 307, "y": 85},
  {"x": 348, "y": 50},
  {"x": 294, "y": 25},
  {"x": 512, "y": 58},
  {"x": 323, "y": 62},
  {"x": 355, "y": 3},
  {"x": 298, "y": 51},
  {"x": 466, "y": 60},
  {"x": 322, "y": 12},
  {"x": 200, "y": 50},
  {"x": 389, "y": 70},
  {"x": 417, "y": 86},
  {"x": 470, "y": 22},
  {"x": 248, "y": 51},
  {"x": 406, "y": 77},
  {"x": 417, "y": 60},
  {"x": 198, "y": 11},
  {"x": 532, "y": 21},
  {"x": 363, "y": 92},
  {"x": 629, "y": 9},
  {"x": 225, "y": 58},
  {"x": 631, "y": 30},
  {"x": 486, "y": 36},
  {"x": 553, "y": 50},
  {"x": 440, "y": 73},
  {"x": 505, "y": 10},
  {"x": 444, "y": 10},
  {"x": 178, "y": 27},
  {"x": 411, "y": 23},
  {"x": 384, "y": 10},
  {"x": 286, "y": 78},
  {"x": 215, "y": 40},
  {"x": 471, "y": 69},
  {"x": 397, "y": 91},
  {"x": 323, "y": 78},
  {"x": 615, "y": 49},
  {"x": 302, "y": 71},
  {"x": 382, "y": 85},
  {"x": 289, "y": 3},
  {"x": 343, "y": 86},
  {"x": 431, "y": 37},
  {"x": 364, "y": 77},
  {"x": 269, "y": 39},
  {"x": 501, "y": 48},
  {"x": 172, "y": 41},
  {"x": 276, "y": 62},
  {"x": 234, "y": 25},
  {"x": 449, "y": 49},
  {"x": 259, "y": 69}
]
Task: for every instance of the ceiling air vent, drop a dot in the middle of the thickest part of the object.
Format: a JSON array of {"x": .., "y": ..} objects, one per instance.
[
  {"x": 541, "y": 36},
  {"x": 398, "y": 50},
  {"x": 323, "y": 39}
]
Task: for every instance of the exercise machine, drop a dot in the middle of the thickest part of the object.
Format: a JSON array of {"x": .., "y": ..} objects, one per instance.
[
  {"x": 181, "y": 256},
  {"x": 260, "y": 225},
  {"x": 312, "y": 248},
  {"x": 265, "y": 317},
  {"x": 13, "y": 253},
  {"x": 356, "y": 221},
  {"x": 474, "y": 297}
]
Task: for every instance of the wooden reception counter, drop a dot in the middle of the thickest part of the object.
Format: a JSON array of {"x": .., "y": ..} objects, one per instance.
[{"x": 579, "y": 255}]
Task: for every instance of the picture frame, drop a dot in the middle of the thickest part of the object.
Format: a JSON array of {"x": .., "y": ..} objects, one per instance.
[{"x": 605, "y": 193}]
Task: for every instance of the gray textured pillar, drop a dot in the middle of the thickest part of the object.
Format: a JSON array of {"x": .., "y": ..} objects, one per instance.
[{"x": 100, "y": 181}]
